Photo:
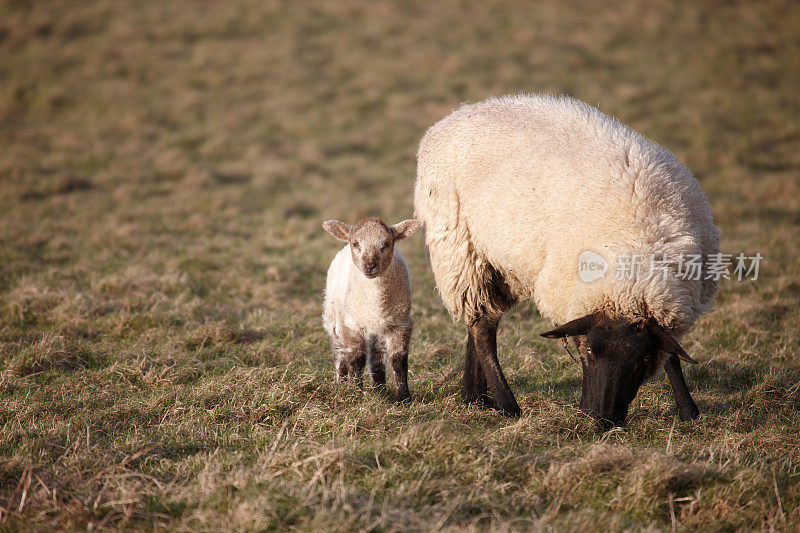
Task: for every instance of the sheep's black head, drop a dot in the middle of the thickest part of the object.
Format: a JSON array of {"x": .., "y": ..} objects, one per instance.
[
  {"x": 371, "y": 241},
  {"x": 617, "y": 356}
]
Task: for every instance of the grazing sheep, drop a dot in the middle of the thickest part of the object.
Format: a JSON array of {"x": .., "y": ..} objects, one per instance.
[
  {"x": 513, "y": 190},
  {"x": 367, "y": 309}
]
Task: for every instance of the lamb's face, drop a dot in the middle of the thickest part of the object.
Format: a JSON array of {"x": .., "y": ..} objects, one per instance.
[
  {"x": 372, "y": 247},
  {"x": 371, "y": 241}
]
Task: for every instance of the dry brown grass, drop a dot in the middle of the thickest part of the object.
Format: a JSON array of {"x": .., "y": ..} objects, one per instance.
[{"x": 164, "y": 170}]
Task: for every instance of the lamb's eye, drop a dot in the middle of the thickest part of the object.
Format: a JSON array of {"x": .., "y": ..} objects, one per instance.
[
  {"x": 355, "y": 245},
  {"x": 385, "y": 245}
]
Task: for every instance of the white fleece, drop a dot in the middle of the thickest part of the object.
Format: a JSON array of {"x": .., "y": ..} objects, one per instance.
[
  {"x": 367, "y": 306},
  {"x": 521, "y": 185}
]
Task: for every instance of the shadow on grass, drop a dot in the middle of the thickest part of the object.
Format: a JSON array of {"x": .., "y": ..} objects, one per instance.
[
  {"x": 62, "y": 185},
  {"x": 755, "y": 396},
  {"x": 726, "y": 377},
  {"x": 777, "y": 316},
  {"x": 223, "y": 334}
]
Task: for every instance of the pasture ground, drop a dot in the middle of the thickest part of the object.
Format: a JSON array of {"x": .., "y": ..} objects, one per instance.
[{"x": 164, "y": 170}]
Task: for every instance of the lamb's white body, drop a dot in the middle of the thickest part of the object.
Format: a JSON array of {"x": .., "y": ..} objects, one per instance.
[
  {"x": 371, "y": 307},
  {"x": 367, "y": 305},
  {"x": 516, "y": 188}
]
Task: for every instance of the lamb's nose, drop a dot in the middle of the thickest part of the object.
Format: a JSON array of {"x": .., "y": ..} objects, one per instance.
[{"x": 372, "y": 268}]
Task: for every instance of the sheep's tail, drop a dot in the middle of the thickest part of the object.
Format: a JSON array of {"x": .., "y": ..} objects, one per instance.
[{"x": 470, "y": 287}]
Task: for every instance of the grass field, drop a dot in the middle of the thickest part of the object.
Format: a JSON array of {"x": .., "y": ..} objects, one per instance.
[{"x": 164, "y": 170}]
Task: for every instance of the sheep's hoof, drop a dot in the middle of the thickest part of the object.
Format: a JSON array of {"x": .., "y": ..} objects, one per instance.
[
  {"x": 690, "y": 412},
  {"x": 511, "y": 411},
  {"x": 482, "y": 400},
  {"x": 402, "y": 397},
  {"x": 487, "y": 402}
]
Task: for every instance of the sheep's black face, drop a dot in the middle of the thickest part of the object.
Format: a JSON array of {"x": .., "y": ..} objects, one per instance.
[
  {"x": 616, "y": 361},
  {"x": 617, "y": 357}
]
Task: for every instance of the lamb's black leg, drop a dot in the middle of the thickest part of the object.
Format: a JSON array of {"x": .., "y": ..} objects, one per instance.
[
  {"x": 484, "y": 335},
  {"x": 473, "y": 388},
  {"x": 377, "y": 367},
  {"x": 397, "y": 343},
  {"x": 687, "y": 409}
]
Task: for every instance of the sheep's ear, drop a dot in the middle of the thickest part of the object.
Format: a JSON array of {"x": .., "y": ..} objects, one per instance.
[
  {"x": 404, "y": 229},
  {"x": 670, "y": 345},
  {"x": 579, "y": 326},
  {"x": 338, "y": 229}
]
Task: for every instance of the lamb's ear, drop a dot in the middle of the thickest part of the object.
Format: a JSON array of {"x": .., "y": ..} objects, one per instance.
[
  {"x": 579, "y": 326},
  {"x": 338, "y": 229},
  {"x": 404, "y": 229},
  {"x": 670, "y": 345}
]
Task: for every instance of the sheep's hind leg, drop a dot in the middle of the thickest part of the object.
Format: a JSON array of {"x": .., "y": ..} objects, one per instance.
[
  {"x": 397, "y": 345},
  {"x": 377, "y": 366},
  {"x": 474, "y": 388},
  {"x": 484, "y": 334}
]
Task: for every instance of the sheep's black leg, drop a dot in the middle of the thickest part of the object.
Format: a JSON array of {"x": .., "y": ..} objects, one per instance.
[
  {"x": 484, "y": 335},
  {"x": 687, "y": 409},
  {"x": 473, "y": 388},
  {"x": 377, "y": 367},
  {"x": 397, "y": 345}
]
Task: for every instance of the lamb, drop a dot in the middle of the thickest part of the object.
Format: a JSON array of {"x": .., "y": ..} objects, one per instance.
[
  {"x": 367, "y": 307},
  {"x": 514, "y": 191}
]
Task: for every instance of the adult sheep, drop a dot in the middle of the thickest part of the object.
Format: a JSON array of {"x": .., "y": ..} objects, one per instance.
[{"x": 514, "y": 191}]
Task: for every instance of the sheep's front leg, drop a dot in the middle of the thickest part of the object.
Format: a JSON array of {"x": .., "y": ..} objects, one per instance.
[
  {"x": 484, "y": 334},
  {"x": 349, "y": 353},
  {"x": 687, "y": 409},
  {"x": 377, "y": 355},
  {"x": 397, "y": 345}
]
